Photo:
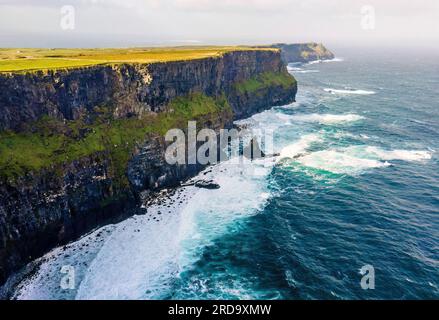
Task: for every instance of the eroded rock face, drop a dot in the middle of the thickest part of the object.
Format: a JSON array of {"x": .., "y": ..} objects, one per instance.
[
  {"x": 58, "y": 204},
  {"x": 303, "y": 52},
  {"x": 131, "y": 88}
]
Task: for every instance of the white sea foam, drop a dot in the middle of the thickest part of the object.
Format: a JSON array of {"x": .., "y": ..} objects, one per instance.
[
  {"x": 349, "y": 91},
  {"x": 334, "y": 60},
  {"x": 45, "y": 282},
  {"x": 301, "y": 70},
  {"x": 141, "y": 256},
  {"x": 268, "y": 120},
  {"x": 405, "y": 155},
  {"x": 291, "y": 68},
  {"x": 136, "y": 262},
  {"x": 356, "y": 159},
  {"x": 315, "y": 62},
  {"x": 327, "y": 118},
  {"x": 307, "y": 71},
  {"x": 299, "y": 147},
  {"x": 338, "y": 162},
  {"x": 326, "y": 61}
]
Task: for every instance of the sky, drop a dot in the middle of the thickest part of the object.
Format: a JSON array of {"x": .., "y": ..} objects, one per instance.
[{"x": 122, "y": 23}]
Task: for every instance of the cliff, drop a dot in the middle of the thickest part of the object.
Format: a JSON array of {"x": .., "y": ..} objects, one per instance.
[
  {"x": 303, "y": 52},
  {"x": 79, "y": 146}
]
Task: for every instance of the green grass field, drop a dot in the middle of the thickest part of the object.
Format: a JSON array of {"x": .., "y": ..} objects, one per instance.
[{"x": 19, "y": 60}]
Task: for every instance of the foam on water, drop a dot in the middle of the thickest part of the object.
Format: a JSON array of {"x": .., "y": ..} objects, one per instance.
[
  {"x": 301, "y": 70},
  {"x": 326, "y": 61},
  {"x": 349, "y": 91},
  {"x": 291, "y": 68},
  {"x": 334, "y": 60},
  {"x": 338, "y": 162},
  {"x": 299, "y": 147},
  {"x": 141, "y": 257},
  {"x": 328, "y": 119},
  {"x": 210, "y": 212},
  {"x": 356, "y": 159},
  {"x": 308, "y": 71},
  {"x": 137, "y": 261},
  {"x": 45, "y": 283},
  {"x": 269, "y": 120},
  {"x": 406, "y": 155}
]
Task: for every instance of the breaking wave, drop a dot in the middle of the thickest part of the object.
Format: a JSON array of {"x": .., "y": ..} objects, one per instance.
[
  {"x": 350, "y": 160},
  {"x": 299, "y": 147},
  {"x": 327, "y": 118},
  {"x": 301, "y": 70},
  {"x": 349, "y": 91}
]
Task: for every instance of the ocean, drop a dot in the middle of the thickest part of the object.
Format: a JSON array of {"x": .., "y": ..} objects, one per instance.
[{"x": 356, "y": 184}]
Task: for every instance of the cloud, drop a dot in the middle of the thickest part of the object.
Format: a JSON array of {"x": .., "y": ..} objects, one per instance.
[
  {"x": 225, "y": 21},
  {"x": 232, "y": 5}
]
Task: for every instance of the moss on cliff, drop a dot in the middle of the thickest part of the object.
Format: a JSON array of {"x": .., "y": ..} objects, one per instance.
[
  {"x": 49, "y": 142},
  {"x": 265, "y": 80}
]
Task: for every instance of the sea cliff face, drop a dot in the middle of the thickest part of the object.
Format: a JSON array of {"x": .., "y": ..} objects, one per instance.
[
  {"x": 80, "y": 146},
  {"x": 303, "y": 52}
]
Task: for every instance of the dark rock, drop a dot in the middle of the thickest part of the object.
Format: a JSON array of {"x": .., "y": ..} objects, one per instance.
[{"x": 206, "y": 184}]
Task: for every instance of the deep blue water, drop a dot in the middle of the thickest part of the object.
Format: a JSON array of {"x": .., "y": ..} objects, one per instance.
[{"x": 358, "y": 184}]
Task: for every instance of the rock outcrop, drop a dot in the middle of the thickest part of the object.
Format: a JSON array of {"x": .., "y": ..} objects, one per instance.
[
  {"x": 88, "y": 179},
  {"x": 303, "y": 52}
]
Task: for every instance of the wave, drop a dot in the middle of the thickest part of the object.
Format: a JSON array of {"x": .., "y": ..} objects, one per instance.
[
  {"x": 141, "y": 257},
  {"x": 349, "y": 91},
  {"x": 307, "y": 71},
  {"x": 339, "y": 162},
  {"x": 354, "y": 159},
  {"x": 290, "y": 68},
  {"x": 325, "y": 61},
  {"x": 404, "y": 155},
  {"x": 299, "y": 147},
  {"x": 301, "y": 70},
  {"x": 327, "y": 118},
  {"x": 173, "y": 244},
  {"x": 333, "y": 60},
  {"x": 44, "y": 284},
  {"x": 314, "y": 62}
]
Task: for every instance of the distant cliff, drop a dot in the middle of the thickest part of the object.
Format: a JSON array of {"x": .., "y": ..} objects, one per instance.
[
  {"x": 79, "y": 146},
  {"x": 303, "y": 52}
]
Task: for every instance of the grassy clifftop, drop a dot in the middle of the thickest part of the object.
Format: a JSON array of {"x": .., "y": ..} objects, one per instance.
[{"x": 19, "y": 60}]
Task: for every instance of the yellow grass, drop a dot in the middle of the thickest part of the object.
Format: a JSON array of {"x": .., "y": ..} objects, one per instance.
[{"x": 19, "y": 60}]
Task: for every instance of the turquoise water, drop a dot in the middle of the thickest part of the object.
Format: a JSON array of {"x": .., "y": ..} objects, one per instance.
[{"x": 357, "y": 183}]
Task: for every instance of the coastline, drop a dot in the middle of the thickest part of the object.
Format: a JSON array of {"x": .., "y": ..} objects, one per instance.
[
  {"x": 340, "y": 145},
  {"x": 65, "y": 200}
]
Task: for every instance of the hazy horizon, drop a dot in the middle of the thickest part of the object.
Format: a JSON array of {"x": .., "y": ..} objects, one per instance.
[{"x": 118, "y": 23}]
